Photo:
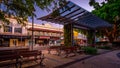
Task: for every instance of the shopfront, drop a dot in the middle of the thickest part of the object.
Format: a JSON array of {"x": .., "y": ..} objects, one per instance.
[
  {"x": 46, "y": 40},
  {"x": 13, "y": 40},
  {"x": 42, "y": 40}
]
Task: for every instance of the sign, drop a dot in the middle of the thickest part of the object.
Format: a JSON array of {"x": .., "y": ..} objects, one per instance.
[{"x": 44, "y": 37}]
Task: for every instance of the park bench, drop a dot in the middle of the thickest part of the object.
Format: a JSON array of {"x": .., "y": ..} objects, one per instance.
[
  {"x": 17, "y": 57},
  {"x": 70, "y": 49},
  {"x": 22, "y": 49},
  {"x": 29, "y": 56},
  {"x": 56, "y": 48},
  {"x": 8, "y": 58}
]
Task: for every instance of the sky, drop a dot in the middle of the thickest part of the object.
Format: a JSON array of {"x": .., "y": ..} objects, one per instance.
[{"x": 40, "y": 13}]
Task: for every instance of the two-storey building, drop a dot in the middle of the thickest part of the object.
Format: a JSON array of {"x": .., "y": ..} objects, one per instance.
[
  {"x": 45, "y": 34},
  {"x": 13, "y": 34}
]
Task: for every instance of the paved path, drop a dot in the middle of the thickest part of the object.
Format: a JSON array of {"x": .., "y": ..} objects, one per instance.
[{"x": 107, "y": 60}]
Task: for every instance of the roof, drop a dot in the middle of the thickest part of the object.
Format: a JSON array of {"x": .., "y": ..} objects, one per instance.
[
  {"x": 72, "y": 13},
  {"x": 46, "y": 30}
]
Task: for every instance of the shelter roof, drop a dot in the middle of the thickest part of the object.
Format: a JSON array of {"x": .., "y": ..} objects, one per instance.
[{"x": 72, "y": 13}]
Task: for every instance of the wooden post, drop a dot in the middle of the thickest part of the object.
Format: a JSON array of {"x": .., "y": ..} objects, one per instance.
[
  {"x": 91, "y": 37},
  {"x": 68, "y": 34}
]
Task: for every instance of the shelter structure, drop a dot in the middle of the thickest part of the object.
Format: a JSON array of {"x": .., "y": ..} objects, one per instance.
[{"x": 74, "y": 16}]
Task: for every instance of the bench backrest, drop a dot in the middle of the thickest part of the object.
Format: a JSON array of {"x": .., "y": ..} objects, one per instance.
[
  {"x": 28, "y": 53},
  {"x": 6, "y": 52},
  {"x": 22, "y": 49},
  {"x": 8, "y": 57}
]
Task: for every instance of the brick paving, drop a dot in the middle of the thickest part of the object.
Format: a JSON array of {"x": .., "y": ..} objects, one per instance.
[
  {"x": 108, "y": 60},
  {"x": 105, "y": 60}
]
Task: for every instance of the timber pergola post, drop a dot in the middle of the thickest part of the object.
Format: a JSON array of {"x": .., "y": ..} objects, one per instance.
[
  {"x": 68, "y": 35},
  {"x": 91, "y": 37},
  {"x": 74, "y": 16}
]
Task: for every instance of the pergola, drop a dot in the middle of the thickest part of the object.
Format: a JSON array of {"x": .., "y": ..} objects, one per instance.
[{"x": 74, "y": 16}]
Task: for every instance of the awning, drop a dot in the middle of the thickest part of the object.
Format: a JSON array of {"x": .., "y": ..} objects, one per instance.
[
  {"x": 46, "y": 30},
  {"x": 15, "y": 36},
  {"x": 81, "y": 18}
]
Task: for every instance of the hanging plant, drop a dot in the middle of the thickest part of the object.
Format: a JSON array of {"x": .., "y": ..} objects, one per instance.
[{"x": 67, "y": 35}]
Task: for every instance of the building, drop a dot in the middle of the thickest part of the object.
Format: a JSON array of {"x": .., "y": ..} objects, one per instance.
[
  {"x": 13, "y": 34},
  {"x": 45, "y": 34}
]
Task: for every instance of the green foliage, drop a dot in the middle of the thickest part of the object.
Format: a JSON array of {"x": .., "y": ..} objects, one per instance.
[
  {"x": 108, "y": 11},
  {"x": 90, "y": 50},
  {"x": 90, "y": 37},
  {"x": 67, "y": 35},
  {"x": 22, "y": 9},
  {"x": 105, "y": 47}
]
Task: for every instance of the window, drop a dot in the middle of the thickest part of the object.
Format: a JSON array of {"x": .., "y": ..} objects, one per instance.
[
  {"x": 18, "y": 30},
  {"x": 36, "y": 33},
  {"x": 41, "y": 33},
  {"x": 45, "y": 33},
  {"x": 29, "y": 32},
  {"x": 7, "y": 29}
]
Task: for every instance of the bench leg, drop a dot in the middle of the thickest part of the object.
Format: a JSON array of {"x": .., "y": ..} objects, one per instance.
[
  {"x": 20, "y": 64},
  {"x": 66, "y": 54},
  {"x": 49, "y": 51},
  {"x": 41, "y": 60},
  {"x": 59, "y": 52}
]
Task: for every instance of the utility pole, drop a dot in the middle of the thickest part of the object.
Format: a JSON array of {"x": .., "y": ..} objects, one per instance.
[{"x": 32, "y": 32}]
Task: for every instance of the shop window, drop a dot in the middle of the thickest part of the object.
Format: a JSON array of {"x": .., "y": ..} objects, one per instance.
[
  {"x": 7, "y": 29},
  {"x": 41, "y": 33},
  {"x": 29, "y": 32},
  {"x": 49, "y": 34},
  {"x": 36, "y": 33},
  {"x": 18, "y": 30},
  {"x": 45, "y": 33}
]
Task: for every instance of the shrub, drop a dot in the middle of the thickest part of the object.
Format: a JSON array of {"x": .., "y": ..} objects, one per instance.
[
  {"x": 105, "y": 47},
  {"x": 90, "y": 50}
]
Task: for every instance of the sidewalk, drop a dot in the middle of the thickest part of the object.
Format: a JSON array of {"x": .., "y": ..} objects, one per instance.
[
  {"x": 108, "y": 60},
  {"x": 105, "y": 60}
]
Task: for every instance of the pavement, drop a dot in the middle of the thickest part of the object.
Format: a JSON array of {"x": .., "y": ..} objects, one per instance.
[{"x": 105, "y": 59}]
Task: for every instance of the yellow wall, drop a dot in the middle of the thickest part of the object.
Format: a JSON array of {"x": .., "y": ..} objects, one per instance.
[
  {"x": 75, "y": 34},
  {"x": 26, "y": 42},
  {"x": 18, "y": 43},
  {"x": 12, "y": 43}
]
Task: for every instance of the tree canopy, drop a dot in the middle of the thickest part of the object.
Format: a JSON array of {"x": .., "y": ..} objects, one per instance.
[
  {"x": 22, "y": 9},
  {"x": 109, "y": 11}
]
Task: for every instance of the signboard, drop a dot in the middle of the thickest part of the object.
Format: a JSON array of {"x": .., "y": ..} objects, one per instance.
[{"x": 44, "y": 37}]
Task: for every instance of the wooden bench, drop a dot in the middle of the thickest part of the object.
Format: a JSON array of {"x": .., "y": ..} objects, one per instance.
[
  {"x": 9, "y": 58},
  {"x": 56, "y": 48},
  {"x": 28, "y": 56},
  {"x": 22, "y": 49},
  {"x": 16, "y": 57},
  {"x": 70, "y": 49}
]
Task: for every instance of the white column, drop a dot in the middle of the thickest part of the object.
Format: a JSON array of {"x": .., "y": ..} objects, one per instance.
[{"x": 13, "y": 29}]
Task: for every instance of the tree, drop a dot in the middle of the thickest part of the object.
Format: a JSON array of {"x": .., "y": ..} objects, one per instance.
[
  {"x": 109, "y": 11},
  {"x": 22, "y": 9}
]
